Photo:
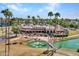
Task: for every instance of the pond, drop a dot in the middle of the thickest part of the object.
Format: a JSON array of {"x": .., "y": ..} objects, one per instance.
[{"x": 74, "y": 44}]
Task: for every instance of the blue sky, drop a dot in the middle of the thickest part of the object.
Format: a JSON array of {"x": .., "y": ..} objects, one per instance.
[{"x": 67, "y": 10}]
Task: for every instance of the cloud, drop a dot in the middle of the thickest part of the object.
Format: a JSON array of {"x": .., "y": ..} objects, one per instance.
[
  {"x": 50, "y": 7},
  {"x": 40, "y": 10},
  {"x": 17, "y": 7},
  {"x": 12, "y": 6}
]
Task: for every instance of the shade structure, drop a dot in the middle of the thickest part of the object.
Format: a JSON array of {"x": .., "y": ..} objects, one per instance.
[{"x": 60, "y": 35}]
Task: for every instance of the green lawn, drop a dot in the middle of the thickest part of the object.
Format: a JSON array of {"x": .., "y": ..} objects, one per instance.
[{"x": 73, "y": 32}]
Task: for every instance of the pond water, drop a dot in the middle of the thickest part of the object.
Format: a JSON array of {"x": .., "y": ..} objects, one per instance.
[{"x": 74, "y": 44}]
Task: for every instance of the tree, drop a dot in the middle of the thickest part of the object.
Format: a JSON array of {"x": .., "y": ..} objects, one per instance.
[
  {"x": 38, "y": 19},
  {"x": 7, "y": 13},
  {"x": 29, "y": 20},
  {"x": 50, "y": 22},
  {"x": 50, "y": 14},
  {"x": 38, "y": 16},
  {"x": 57, "y": 15},
  {"x": 15, "y": 29},
  {"x": 34, "y": 20},
  {"x": 33, "y": 17},
  {"x": 28, "y": 17}
]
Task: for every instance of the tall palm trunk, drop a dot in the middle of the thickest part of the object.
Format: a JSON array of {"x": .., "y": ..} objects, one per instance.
[
  {"x": 50, "y": 17},
  {"x": 8, "y": 35},
  {"x": 5, "y": 37},
  {"x": 7, "y": 41},
  {"x": 7, "y": 15}
]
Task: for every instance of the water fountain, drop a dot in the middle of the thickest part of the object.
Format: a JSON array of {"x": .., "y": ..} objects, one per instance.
[{"x": 38, "y": 44}]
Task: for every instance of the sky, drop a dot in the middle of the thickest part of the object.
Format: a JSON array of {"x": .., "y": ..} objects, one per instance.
[{"x": 22, "y": 10}]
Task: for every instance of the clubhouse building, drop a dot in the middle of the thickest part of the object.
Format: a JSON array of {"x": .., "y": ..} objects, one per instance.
[{"x": 56, "y": 30}]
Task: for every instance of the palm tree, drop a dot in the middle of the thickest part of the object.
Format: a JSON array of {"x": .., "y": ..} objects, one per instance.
[
  {"x": 34, "y": 20},
  {"x": 50, "y": 14},
  {"x": 38, "y": 16},
  {"x": 28, "y": 16},
  {"x": 57, "y": 15},
  {"x": 38, "y": 19},
  {"x": 27, "y": 21},
  {"x": 33, "y": 17},
  {"x": 7, "y": 13}
]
